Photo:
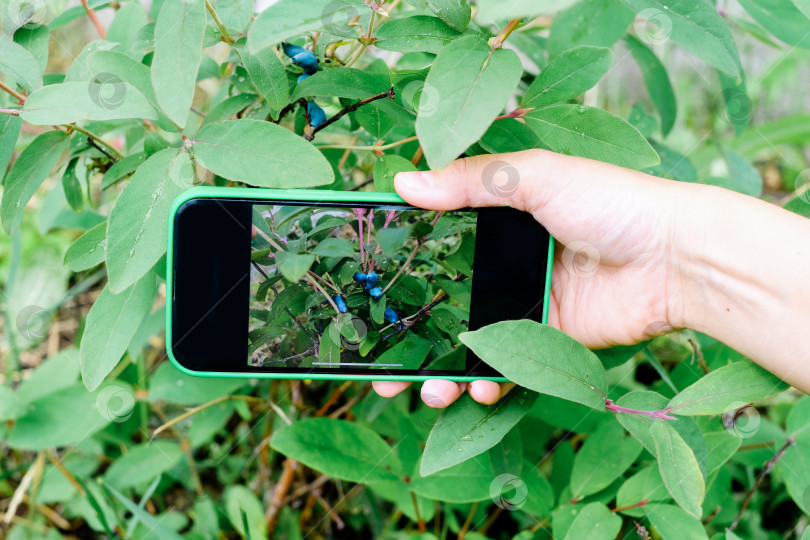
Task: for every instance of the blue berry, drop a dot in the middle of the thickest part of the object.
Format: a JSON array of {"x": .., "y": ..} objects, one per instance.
[
  {"x": 301, "y": 57},
  {"x": 302, "y": 77},
  {"x": 372, "y": 279},
  {"x": 341, "y": 304},
  {"x": 391, "y": 315},
  {"x": 359, "y": 277},
  {"x": 376, "y": 293},
  {"x": 316, "y": 114}
]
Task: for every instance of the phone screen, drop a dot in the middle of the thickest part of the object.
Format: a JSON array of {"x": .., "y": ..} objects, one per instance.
[
  {"x": 298, "y": 288},
  {"x": 359, "y": 288}
]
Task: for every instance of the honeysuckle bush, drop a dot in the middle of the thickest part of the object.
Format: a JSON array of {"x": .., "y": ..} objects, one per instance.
[{"x": 677, "y": 438}]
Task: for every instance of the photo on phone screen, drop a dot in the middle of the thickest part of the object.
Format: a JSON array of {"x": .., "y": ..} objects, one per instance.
[{"x": 359, "y": 288}]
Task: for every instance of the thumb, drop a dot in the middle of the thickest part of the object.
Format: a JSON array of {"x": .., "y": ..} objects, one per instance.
[{"x": 487, "y": 180}]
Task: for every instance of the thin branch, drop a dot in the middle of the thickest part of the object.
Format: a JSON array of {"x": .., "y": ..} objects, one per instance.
[
  {"x": 405, "y": 265},
  {"x": 13, "y": 112},
  {"x": 20, "y": 97},
  {"x": 293, "y": 317},
  {"x": 99, "y": 140},
  {"x": 639, "y": 504},
  {"x": 226, "y": 37},
  {"x": 334, "y": 396},
  {"x": 662, "y": 414},
  {"x": 420, "y": 522},
  {"x": 466, "y": 527},
  {"x": 409, "y": 321},
  {"x": 377, "y": 147},
  {"x": 349, "y": 108},
  {"x": 195, "y": 410},
  {"x": 497, "y": 41},
  {"x": 96, "y": 21},
  {"x": 765, "y": 470},
  {"x": 283, "y": 486}
]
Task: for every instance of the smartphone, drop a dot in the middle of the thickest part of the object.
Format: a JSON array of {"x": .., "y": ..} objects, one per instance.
[{"x": 344, "y": 285}]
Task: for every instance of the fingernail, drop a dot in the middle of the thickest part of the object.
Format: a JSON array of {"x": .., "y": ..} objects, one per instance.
[{"x": 412, "y": 181}]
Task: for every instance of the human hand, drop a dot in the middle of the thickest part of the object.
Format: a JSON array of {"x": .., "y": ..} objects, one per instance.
[{"x": 616, "y": 273}]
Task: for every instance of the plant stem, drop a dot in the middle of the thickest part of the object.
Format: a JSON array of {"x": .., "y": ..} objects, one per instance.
[
  {"x": 20, "y": 97},
  {"x": 639, "y": 504},
  {"x": 420, "y": 522},
  {"x": 195, "y": 410},
  {"x": 464, "y": 528},
  {"x": 497, "y": 41},
  {"x": 223, "y": 32},
  {"x": 93, "y": 17},
  {"x": 349, "y": 108},
  {"x": 99, "y": 140},
  {"x": 765, "y": 470},
  {"x": 374, "y": 147},
  {"x": 13, "y": 112},
  {"x": 662, "y": 414}
]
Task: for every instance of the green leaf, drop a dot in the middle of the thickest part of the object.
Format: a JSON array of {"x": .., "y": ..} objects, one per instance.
[
  {"x": 407, "y": 354},
  {"x": 179, "y": 32},
  {"x": 32, "y": 166},
  {"x": 294, "y": 266},
  {"x": 746, "y": 178},
  {"x": 334, "y": 247},
  {"x": 589, "y": 22},
  {"x": 679, "y": 468},
  {"x": 720, "y": 447},
  {"x": 136, "y": 232},
  {"x": 245, "y": 512},
  {"x": 386, "y": 168},
  {"x": 261, "y": 154},
  {"x": 9, "y": 133},
  {"x": 54, "y": 373},
  {"x": 111, "y": 323},
  {"x": 354, "y": 84},
  {"x": 469, "y": 481},
  {"x": 338, "y": 448},
  {"x": 235, "y": 14},
  {"x": 695, "y": 26},
  {"x": 72, "y": 187},
  {"x": 672, "y": 523},
  {"x": 171, "y": 385},
  {"x": 287, "y": 18},
  {"x": 130, "y": 17},
  {"x": 804, "y": 6},
  {"x": 498, "y": 10},
  {"x": 509, "y": 135},
  {"x": 594, "y": 522},
  {"x": 35, "y": 40},
  {"x": 19, "y": 64},
  {"x": 455, "y": 13},
  {"x": 152, "y": 523},
  {"x": 268, "y": 75},
  {"x": 794, "y": 469},
  {"x": 782, "y": 18},
  {"x": 377, "y": 311},
  {"x": 645, "y": 485},
  {"x": 567, "y": 76},
  {"x": 418, "y": 33},
  {"x": 11, "y": 406},
  {"x": 392, "y": 239},
  {"x": 657, "y": 81},
  {"x": 725, "y": 389},
  {"x": 467, "y": 428},
  {"x": 78, "y": 101},
  {"x": 461, "y": 259},
  {"x": 605, "y": 456},
  {"x": 466, "y": 88},
  {"x": 45, "y": 425},
  {"x": 542, "y": 359},
  {"x": 592, "y": 133},
  {"x": 142, "y": 464},
  {"x": 87, "y": 250}
]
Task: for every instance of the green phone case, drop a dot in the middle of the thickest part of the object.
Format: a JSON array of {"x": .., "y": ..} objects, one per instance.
[{"x": 305, "y": 195}]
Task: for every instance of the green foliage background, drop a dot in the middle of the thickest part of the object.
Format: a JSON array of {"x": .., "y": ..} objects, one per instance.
[{"x": 102, "y": 437}]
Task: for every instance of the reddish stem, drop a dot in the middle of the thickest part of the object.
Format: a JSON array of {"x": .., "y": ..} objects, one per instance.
[
  {"x": 96, "y": 21},
  {"x": 662, "y": 414},
  {"x": 517, "y": 113},
  {"x": 359, "y": 212},
  {"x": 13, "y": 112},
  {"x": 639, "y": 504}
]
